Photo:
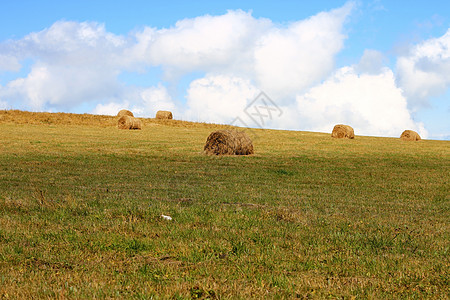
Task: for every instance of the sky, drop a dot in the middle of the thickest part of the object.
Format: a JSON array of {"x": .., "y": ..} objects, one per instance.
[{"x": 380, "y": 66}]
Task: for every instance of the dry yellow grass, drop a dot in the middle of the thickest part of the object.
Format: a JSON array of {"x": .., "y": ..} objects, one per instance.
[
  {"x": 38, "y": 118},
  {"x": 45, "y": 118}
]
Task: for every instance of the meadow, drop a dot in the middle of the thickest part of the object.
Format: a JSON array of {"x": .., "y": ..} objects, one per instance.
[{"x": 306, "y": 216}]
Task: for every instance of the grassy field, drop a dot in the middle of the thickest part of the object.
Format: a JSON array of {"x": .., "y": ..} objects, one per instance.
[{"x": 307, "y": 216}]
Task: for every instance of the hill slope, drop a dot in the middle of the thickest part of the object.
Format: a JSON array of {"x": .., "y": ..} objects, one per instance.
[{"x": 307, "y": 215}]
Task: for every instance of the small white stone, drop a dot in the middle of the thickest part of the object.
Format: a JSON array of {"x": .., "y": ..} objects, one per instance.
[{"x": 166, "y": 217}]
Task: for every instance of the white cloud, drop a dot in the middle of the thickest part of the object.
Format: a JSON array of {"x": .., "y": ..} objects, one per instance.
[
  {"x": 425, "y": 71},
  {"x": 110, "y": 109},
  {"x": 9, "y": 63},
  {"x": 73, "y": 43},
  {"x": 208, "y": 43},
  {"x": 73, "y": 63},
  {"x": 63, "y": 86},
  {"x": 80, "y": 62},
  {"x": 280, "y": 59},
  {"x": 371, "y": 104},
  {"x": 219, "y": 98},
  {"x": 153, "y": 99},
  {"x": 288, "y": 60}
]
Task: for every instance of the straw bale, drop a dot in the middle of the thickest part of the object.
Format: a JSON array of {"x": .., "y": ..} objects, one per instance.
[
  {"x": 164, "y": 114},
  {"x": 343, "y": 131},
  {"x": 127, "y": 122},
  {"x": 228, "y": 142},
  {"x": 410, "y": 135},
  {"x": 125, "y": 112}
]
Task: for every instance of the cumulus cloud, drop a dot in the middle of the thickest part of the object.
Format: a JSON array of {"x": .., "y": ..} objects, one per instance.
[
  {"x": 73, "y": 43},
  {"x": 288, "y": 60},
  {"x": 153, "y": 99},
  {"x": 82, "y": 61},
  {"x": 281, "y": 59},
  {"x": 9, "y": 63},
  {"x": 219, "y": 99},
  {"x": 425, "y": 71},
  {"x": 62, "y": 86},
  {"x": 73, "y": 63},
  {"x": 111, "y": 108},
  {"x": 208, "y": 43},
  {"x": 371, "y": 104}
]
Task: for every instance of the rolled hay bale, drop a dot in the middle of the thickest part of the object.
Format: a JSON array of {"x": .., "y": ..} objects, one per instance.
[
  {"x": 228, "y": 142},
  {"x": 127, "y": 122},
  {"x": 164, "y": 114},
  {"x": 341, "y": 131},
  {"x": 125, "y": 112},
  {"x": 410, "y": 135}
]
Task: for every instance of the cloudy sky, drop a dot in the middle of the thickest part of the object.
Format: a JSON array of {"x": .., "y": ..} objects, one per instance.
[{"x": 379, "y": 66}]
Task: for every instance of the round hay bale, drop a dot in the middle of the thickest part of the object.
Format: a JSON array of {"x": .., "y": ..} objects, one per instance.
[
  {"x": 164, "y": 114},
  {"x": 127, "y": 122},
  {"x": 125, "y": 112},
  {"x": 228, "y": 142},
  {"x": 410, "y": 135},
  {"x": 341, "y": 131}
]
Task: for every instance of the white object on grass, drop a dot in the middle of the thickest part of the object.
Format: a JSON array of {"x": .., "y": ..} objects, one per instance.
[{"x": 166, "y": 217}]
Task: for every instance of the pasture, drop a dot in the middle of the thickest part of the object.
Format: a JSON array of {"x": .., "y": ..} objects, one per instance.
[{"x": 306, "y": 216}]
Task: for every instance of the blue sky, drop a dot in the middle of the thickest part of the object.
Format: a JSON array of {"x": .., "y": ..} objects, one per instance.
[{"x": 380, "y": 66}]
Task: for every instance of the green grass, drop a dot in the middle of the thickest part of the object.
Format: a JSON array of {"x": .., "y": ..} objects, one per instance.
[{"x": 307, "y": 216}]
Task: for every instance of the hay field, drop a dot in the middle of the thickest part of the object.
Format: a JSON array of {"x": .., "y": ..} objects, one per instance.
[{"x": 306, "y": 216}]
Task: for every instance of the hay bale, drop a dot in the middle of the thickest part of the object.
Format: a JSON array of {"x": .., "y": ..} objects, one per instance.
[
  {"x": 228, "y": 142},
  {"x": 164, "y": 114},
  {"x": 127, "y": 122},
  {"x": 410, "y": 135},
  {"x": 125, "y": 112},
  {"x": 343, "y": 131}
]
